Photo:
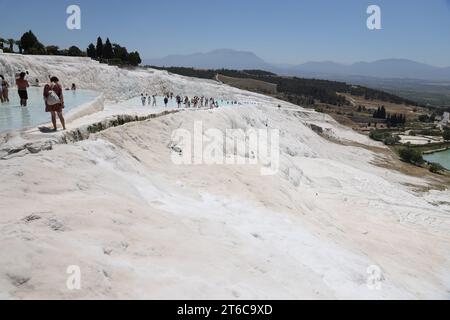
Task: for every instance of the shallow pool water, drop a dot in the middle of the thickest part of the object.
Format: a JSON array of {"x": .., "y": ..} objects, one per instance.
[
  {"x": 443, "y": 158},
  {"x": 13, "y": 116}
]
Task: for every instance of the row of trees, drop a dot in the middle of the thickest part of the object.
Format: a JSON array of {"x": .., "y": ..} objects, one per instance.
[
  {"x": 112, "y": 53},
  {"x": 380, "y": 113},
  {"x": 109, "y": 53},
  {"x": 396, "y": 120},
  {"x": 427, "y": 118},
  {"x": 10, "y": 43},
  {"x": 27, "y": 44},
  {"x": 392, "y": 120}
]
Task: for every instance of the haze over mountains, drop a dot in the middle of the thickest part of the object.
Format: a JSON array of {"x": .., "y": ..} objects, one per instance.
[
  {"x": 387, "y": 68},
  {"x": 217, "y": 59}
]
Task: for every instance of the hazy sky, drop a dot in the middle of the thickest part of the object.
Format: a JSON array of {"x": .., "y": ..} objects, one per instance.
[{"x": 282, "y": 31}]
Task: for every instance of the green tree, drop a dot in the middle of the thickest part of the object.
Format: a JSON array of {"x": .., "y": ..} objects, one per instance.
[
  {"x": 11, "y": 45},
  {"x": 412, "y": 156},
  {"x": 107, "y": 50},
  {"x": 52, "y": 50},
  {"x": 386, "y": 137},
  {"x": 99, "y": 48},
  {"x": 91, "y": 51},
  {"x": 75, "y": 52},
  {"x": 377, "y": 113},
  {"x": 30, "y": 43},
  {"x": 446, "y": 134},
  {"x": 38, "y": 49},
  {"x": 424, "y": 118},
  {"x": 120, "y": 52},
  {"x": 134, "y": 59}
]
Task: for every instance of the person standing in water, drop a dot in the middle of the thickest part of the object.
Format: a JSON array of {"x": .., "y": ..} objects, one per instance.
[
  {"x": 54, "y": 101},
  {"x": 1, "y": 89},
  {"x": 143, "y": 99},
  {"x": 22, "y": 86},
  {"x": 5, "y": 87},
  {"x": 154, "y": 100},
  {"x": 166, "y": 101}
]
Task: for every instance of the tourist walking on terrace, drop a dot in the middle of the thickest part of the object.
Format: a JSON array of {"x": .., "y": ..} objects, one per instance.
[
  {"x": 22, "y": 86},
  {"x": 154, "y": 100},
  {"x": 54, "y": 101},
  {"x": 143, "y": 99}
]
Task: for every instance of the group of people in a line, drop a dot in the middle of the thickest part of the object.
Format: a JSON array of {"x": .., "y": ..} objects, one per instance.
[
  {"x": 195, "y": 102},
  {"x": 151, "y": 99}
]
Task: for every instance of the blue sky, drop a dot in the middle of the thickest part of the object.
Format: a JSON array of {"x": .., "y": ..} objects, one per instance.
[{"x": 283, "y": 31}]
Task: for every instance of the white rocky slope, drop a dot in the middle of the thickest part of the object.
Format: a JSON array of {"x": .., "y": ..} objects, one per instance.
[{"x": 140, "y": 226}]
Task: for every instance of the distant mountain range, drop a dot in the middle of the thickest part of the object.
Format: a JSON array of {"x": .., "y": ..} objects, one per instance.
[
  {"x": 231, "y": 59},
  {"x": 217, "y": 59},
  {"x": 387, "y": 68}
]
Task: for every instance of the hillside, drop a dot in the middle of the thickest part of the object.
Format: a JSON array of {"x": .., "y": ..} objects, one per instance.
[
  {"x": 299, "y": 91},
  {"x": 113, "y": 202},
  {"x": 249, "y": 84},
  {"x": 422, "y": 83}
]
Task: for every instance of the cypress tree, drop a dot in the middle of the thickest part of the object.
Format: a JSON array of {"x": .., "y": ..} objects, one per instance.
[
  {"x": 383, "y": 113},
  {"x": 99, "y": 48},
  {"x": 107, "y": 50}
]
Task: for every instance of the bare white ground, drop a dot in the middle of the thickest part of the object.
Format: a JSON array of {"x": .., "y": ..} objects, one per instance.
[{"x": 139, "y": 226}]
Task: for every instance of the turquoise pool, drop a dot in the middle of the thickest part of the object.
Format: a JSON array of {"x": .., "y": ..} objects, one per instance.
[
  {"x": 442, "y": 158},
  {"x": 13, "y": 116}
]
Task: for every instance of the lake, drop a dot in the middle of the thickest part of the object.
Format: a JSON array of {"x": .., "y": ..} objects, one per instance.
[{"x": 442, "y": 158}]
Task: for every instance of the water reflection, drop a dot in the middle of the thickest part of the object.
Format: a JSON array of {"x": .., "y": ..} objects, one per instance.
[
  {"x": 26, "y": 117},
  {"x": 5, "y": 115}
]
